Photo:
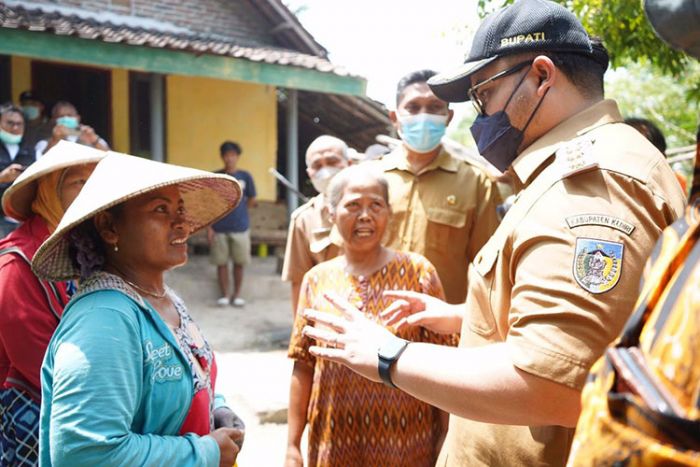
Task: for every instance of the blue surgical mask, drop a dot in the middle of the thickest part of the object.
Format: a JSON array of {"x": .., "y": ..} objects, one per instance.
[
  {"x": 497, "y": 140},
  {"x": 422, "y": 132},
  {"x": 69, "y": 122},
  {"x": 9, "y": 138},
  {"x": 31, "y": 112}
]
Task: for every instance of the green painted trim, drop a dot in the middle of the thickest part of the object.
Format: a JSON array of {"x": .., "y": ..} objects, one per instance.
[{"x": 49, "y": 46}]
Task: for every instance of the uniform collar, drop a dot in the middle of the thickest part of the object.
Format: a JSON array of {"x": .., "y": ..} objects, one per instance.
[
  {"x": 601, "y": 113},
  {"x": 397, "y": 160}
]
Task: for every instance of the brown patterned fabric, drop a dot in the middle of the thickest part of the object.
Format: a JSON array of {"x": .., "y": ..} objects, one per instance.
[{"x": 354, "y": 421}]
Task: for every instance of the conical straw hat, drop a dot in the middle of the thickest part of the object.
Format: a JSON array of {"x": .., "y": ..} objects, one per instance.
[
  {"x": 120, "y": 177},
  {"x": 18, "y": 198}
]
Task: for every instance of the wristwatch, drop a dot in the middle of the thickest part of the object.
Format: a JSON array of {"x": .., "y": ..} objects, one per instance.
[{"x": 388, "y": 353}]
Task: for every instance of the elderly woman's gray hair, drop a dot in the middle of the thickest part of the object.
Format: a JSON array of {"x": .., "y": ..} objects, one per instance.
[{"x": 355, "y": 172}]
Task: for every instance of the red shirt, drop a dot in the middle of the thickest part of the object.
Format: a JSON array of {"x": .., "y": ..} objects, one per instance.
[{"x": 26, "y": 320}]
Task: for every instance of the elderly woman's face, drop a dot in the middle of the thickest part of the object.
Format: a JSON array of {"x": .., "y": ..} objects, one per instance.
[
  {"x": 152, "y": 231},
  {"x": 362, "y": 214}
]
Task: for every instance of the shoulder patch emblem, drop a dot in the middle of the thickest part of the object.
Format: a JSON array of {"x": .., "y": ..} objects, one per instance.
[{"x": 597, "y": 264}]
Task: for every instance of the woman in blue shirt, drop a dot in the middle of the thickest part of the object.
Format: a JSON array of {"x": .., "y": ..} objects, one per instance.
[{"x": 128, "y": 378}]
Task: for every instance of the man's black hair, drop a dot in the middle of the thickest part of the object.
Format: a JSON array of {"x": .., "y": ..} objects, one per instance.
[
  {"x": 420, "y": 76},
  {"x": 230, "y": 146},
  {"x": 650, "y": 131}
]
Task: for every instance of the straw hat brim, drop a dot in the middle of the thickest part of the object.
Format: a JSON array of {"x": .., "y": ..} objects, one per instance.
[
  {"x": 208, "y": 197},
  {"x": 17, "y": 199}
]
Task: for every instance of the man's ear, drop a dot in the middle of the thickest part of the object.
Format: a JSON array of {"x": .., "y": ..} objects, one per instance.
[
  {"x": 394, "y": 119},
  {"x": 546, "y": 73},
  {"x": 104, "y": 224},
  {"x": 450, "y": 114}
]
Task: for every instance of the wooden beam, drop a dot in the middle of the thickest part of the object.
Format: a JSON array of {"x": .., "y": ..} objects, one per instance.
[{"x": 49, "y": 46}]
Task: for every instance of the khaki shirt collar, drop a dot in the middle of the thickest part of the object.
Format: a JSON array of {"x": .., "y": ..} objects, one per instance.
[
  {"x": 398, "y": 160},
  {"x": 527, "y": 163}
]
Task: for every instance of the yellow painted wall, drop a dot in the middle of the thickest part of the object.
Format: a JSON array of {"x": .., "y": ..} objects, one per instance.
[
  {"x": 202, "y": 113},
  {"x": 21, "y": 76},
  {"x": 120, "y": 110}
]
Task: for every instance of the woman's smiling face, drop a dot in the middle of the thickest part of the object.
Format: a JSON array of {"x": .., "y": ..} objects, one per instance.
[{"x": 362, "y": 214}]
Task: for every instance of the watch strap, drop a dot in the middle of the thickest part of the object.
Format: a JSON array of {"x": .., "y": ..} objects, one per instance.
[{"x": 385, "y": 364}]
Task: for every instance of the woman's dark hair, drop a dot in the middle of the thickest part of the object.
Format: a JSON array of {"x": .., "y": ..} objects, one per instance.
[{"x": 86, "y": 249}]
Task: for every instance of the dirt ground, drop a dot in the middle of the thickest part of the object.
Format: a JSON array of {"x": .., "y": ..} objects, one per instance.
[{"x": 250, "y": 345}]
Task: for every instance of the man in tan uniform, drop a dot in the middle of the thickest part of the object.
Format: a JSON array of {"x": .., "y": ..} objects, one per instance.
[
  {"x": 309, "y": 241},
  {"x": 559, "y": 277},
  {"x": 442, "y": 207}
]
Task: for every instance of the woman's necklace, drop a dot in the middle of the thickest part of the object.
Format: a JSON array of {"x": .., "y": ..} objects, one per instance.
[
  {"x": 147, "y": 292},
  {"x": 138, "y": 288}
]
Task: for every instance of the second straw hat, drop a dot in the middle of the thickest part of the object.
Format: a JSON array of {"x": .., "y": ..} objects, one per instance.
[
  {"x": 120, "y": 177},
  {"x": 17, "y": 199}
]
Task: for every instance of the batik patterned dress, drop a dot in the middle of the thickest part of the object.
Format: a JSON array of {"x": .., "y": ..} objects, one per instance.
[{"x": 352, "y": 420}]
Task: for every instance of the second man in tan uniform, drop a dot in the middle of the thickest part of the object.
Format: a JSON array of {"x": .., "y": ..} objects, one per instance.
[{"x": 443, "y": 208}]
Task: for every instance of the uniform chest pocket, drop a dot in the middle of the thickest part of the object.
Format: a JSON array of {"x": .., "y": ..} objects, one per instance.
[
  {"x": 442, "y": 229},
  {"x": 481, "y": 285}
]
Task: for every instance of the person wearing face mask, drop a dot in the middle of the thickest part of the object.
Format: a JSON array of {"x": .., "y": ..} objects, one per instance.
[
  {"x": 38, "y": 126},
  {"x": 229, "y": 238},
  {"x": 556, "y": 282},
  {"x": 15, "y": 156},
  {"x": 443, "y": 208},
  {"x": 311, "y": 239},
  {"x": 68, "y": 126}
]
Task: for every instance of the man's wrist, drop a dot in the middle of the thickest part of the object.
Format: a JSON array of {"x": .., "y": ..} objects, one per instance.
[{"x": 388, "y": 353}]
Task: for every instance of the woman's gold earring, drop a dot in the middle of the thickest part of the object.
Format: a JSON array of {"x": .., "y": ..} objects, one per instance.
[{"x": 116, "y": 247}]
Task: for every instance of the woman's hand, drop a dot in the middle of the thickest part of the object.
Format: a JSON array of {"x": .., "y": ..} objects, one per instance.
[
  {"x": 351, "y": 339},
  {"x": 226, "y": 439},
  {"x": 417, "y": 309},
  {"x": 224, "y": 417},
  {"x": 293, "y": 457}
]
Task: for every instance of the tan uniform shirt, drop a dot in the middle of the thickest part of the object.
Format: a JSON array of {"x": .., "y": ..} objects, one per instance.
[
  {"x": 309, "y": 240},
  {"x": 445, "y": 213},
  {"x": 560, "y": 276}
]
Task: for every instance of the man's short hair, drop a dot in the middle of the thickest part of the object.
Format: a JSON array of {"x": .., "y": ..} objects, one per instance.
[
  {"x": 9, "y": 107},
  {"x": 650, "y": 131},
  {"x": 61, "y": 104},
  {"x": 228, "y": 146},
  {"x": 420, "y": 76}
]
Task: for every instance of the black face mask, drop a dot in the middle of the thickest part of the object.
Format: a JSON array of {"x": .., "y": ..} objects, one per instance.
[{"x": 497, "y": 140}]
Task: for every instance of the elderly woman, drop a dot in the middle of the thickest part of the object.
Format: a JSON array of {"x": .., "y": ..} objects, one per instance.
[
  {"x": 30, "y": 308},
  {"x": 353, "y": 421},
  {"x": 128, "y": 378}
]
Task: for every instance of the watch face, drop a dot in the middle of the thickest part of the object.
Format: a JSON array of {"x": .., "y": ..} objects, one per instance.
[{"x": 391, "y": 348}]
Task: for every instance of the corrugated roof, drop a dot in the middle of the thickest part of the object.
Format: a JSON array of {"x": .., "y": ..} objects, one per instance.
[{"x": 116, "y": 28}]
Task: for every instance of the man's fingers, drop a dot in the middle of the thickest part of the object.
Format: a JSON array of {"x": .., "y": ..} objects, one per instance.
[
  {"x": 343, "y": 305},
  {"x": 408, "y": 295},
  {"x": 396, "y": 305},
  {"x": 322, "y": 336},
  {"x": 329, "y": 320},
  {"x": 328, "y": 353}
]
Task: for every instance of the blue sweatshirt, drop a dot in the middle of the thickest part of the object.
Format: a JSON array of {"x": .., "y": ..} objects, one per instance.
[{"x": 116, "y": 389}]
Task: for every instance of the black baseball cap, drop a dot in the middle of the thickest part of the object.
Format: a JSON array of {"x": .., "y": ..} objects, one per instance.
[
  {"x": 28, "y": 96},
  {"x": 677, "y": 22},
  {"x": 524, "y": 26}
]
